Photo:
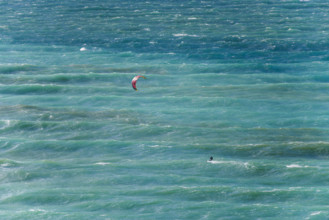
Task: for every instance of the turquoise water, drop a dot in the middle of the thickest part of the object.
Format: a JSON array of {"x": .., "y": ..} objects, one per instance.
[{"x": 243, "y": 81}]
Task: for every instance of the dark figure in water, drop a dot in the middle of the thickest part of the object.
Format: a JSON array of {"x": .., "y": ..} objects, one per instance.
[{"x": 211, "y": 158}]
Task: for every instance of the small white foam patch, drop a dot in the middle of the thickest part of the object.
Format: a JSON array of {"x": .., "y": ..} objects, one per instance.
[
  {"x": 83, "y": 49},
  {"x": 185, "y": 35},
  {"x": 216, "y": 162},
  {"x": 316, "y": 213},
  {"x": 102, "y": 163},
  {"x": 245, "y": 164},
  {"x": 158, "y": 146},
  {"x": 6, "y": 123},
  {"x": 37, "y": 210},
  {"x": 5, "y": 164},
  {"x": 295, "y": 166}
]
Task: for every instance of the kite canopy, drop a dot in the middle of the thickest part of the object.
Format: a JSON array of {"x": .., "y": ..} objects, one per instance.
[{"x": 134, "y": 81}]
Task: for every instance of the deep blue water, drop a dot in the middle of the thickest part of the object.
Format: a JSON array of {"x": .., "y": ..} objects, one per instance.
[{"x": 244, "y": 81}]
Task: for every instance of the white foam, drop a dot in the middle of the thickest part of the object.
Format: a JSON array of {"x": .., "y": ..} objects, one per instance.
[
  {"x": 245, "y": 164},
  {"x": 316, "y": 213},
  {"x": 185, "y": 35},
  {"x": 6, "y": 124},
  {"x": 5, "y": 165},
  {"x": 157, "y": 146},
  {"x": 295, "y": 166},
  {"x": 83, "y": 49},
  {"x": 37, "y": 210},
  {"x": 215, "y": 162},
  {"x": 102, "y": 163},
  {"x": 179, "y": 35}
]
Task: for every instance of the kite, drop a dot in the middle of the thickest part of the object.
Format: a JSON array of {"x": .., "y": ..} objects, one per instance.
[{"x": 134, "y": 81}]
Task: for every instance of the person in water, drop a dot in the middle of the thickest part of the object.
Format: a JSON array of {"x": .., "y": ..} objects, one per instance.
[{"x": 211, "y": 158}]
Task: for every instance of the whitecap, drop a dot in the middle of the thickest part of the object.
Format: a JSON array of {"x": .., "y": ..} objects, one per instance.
[
  {"x": 155, "y": 146},
  {"x": 295, "y": 166},
  {"x": 158, "y": 146},
  {"x": 102, "y": 163},
  {"x": 216, "y": 162},
  {"x": 5, "y": 164},
  {"x": 83, "y": 49},
  {"x": 185, "y": 35},
  {"x": 179, "y": 35},
  {"x": 37, "y": 210},
  {"x": 316, "y": 213},
  {"x": 244, "y": 164},
  {"x": 6, "y": 124}
]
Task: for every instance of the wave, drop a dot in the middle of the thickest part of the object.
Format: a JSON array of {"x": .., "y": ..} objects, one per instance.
[
  {"x": 7, "y": 163},
  {"x": 51, "y": 89},
  {"x": 30, "y": 89},
  {"x": 18, "y": 68},
  {"x": 54, "y": 114}
]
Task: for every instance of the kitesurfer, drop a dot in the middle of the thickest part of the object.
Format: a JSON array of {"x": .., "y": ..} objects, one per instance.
[{"x": 211, "y": 158}]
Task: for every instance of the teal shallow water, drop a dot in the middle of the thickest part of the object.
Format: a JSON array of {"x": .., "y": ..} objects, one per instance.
[{"x": 243, "y": 81}]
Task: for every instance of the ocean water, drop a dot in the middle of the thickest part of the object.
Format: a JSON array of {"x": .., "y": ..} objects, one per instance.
[{"x": 244, "y": 81}]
